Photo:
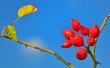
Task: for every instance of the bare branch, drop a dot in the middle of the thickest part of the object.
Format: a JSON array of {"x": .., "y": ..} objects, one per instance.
[{"x": 43, "y": 50}]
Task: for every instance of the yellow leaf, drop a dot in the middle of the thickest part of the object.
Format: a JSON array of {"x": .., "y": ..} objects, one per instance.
[
  {"x": 27, "y": 9},
  {"x": 11, "y": 32}
]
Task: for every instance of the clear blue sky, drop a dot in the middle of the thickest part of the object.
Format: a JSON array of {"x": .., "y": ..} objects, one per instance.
[{"x": 45, "y": 27}]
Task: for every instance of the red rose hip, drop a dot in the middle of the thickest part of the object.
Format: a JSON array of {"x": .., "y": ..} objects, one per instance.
[
  {"x": 77, "y": 40},
  {"x": 81, "y": 54},
  {"x": 94, "y": 31},
  {"x": 75, "y": 25},
  {"x": 84, "y": 30},
  {"x": 66, "y": 44},
  {"x": 91, "y": 41},
  {"x": 68, "y": 33}
]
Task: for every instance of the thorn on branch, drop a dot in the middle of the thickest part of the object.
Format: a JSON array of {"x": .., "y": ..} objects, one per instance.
[
  {"x": 26, "y": 46},
  {"x": 97, "y": 62},
  {"x": 108, "y": 15}
]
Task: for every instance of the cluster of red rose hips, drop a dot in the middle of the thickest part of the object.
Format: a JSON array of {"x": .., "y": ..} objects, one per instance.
[{"x": 74, "y": 37}]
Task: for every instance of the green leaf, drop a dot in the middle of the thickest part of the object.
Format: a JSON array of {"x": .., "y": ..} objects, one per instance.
[{"x": 11, "y": 32}]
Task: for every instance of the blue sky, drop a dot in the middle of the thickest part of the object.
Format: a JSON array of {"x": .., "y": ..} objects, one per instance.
[{"x": 45, "y": 28}]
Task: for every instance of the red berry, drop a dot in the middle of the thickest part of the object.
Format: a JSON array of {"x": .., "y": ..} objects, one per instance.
[
  {"x": 68, "y": 33},
  {"x": 84, "y": 30},
  {"x": 81, "y": 54},
  {"x": 75, "y": 25},
  {"x": 77, "y": 40},
  {"x": 66, "y": 44},
  {"x": 91, "y": 41},
  {"x": 94, "y": 31}
]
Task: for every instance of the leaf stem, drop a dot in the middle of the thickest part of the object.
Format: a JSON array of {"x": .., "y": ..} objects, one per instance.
[
  {"x": 3, "y": 31},
  {"x": 15, "y": 20}
]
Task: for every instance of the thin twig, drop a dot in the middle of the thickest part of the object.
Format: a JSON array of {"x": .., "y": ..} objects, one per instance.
[
  {"x": 43, "y": 50},
  {"x": 102, "y": 27},
  {"x": 94, "y": 48}
]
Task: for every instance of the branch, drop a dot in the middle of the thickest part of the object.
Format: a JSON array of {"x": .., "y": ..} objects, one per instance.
[
  {"x": 92, "y": 56},
  {"x": 94, "y": 48},
  {"x": 43, "y": 50}
]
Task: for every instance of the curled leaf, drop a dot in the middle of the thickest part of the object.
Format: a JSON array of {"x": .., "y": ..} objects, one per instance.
[
  {"x": 11, "y": 32},
  {"x": 27, "y": 9}
]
